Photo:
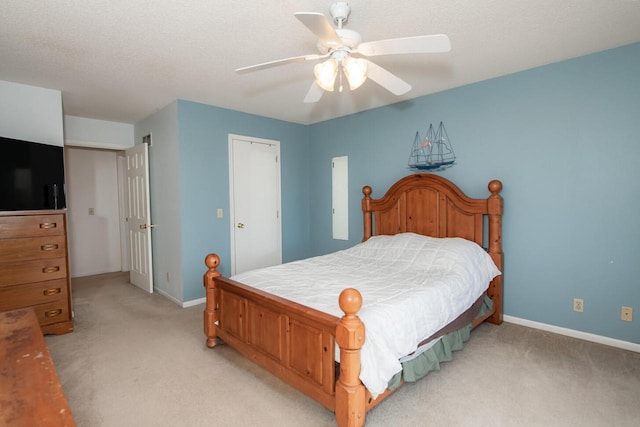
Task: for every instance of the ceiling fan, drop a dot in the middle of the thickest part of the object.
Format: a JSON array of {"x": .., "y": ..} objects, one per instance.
[{"x": 344, "y": 49}]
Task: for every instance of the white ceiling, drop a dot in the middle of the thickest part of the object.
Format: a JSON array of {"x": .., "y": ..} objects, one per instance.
[{"x": 122, "y": 60}]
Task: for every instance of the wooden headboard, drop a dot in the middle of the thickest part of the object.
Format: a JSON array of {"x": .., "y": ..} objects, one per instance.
[{"x": 433, "y": 206}]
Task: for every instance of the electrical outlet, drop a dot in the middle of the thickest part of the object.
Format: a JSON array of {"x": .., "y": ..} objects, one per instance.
[
  {"x": 578, "y": 305},
  {"x": 92, "y": 211},
  {"x": 626, "y": 314}
]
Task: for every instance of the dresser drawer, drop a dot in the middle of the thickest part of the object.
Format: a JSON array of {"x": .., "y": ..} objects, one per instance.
[
  {"x": 32, "y": 248},
  {"x": 16, "y": 273},
  {"x": 19, "y": 296},
  {"x": 52, "y": 312},
  {"x": 12, "y": 227}
]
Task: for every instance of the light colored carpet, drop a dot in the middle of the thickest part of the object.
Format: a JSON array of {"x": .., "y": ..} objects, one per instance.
[{"x": 137, "y": 359}]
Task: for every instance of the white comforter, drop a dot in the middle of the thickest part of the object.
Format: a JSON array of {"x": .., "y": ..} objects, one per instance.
[{"x": 411, "y": 287}]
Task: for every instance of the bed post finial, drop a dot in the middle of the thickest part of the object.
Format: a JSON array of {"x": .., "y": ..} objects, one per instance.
[
  {"x": 495, "y": 186},
  {"x": 350, "y": 301},
  {"x": 350, "y": 335},
  {"x": 495, "y": 208},
  {"x": 212, "y": 261},
  {"x": 366, "y": 211}
]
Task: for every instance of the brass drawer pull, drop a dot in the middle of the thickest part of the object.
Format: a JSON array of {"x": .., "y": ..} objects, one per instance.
[
  {"x": 52, "y": 291},
  {"x": 51, "y": 269},
  {"x": 53, "y": 313},
  {"x": 49, "y": 247},
  {"x": 48, "y": 225}
]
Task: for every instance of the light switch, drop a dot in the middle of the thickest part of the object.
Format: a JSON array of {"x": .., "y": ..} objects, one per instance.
[{"x": 220, "y": 213}]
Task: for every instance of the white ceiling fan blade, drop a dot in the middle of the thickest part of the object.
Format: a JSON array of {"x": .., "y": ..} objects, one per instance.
[
  {"x": 314, "y": 94},
  {"x": 436, "y": 43},
  {"x": 270, "y": 64},
  {"x": 321, "y": 27},
  {"x": 387, "y": 80}
]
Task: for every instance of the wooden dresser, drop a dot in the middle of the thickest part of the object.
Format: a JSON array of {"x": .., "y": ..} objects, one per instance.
[{"x": 34, "y": 267}]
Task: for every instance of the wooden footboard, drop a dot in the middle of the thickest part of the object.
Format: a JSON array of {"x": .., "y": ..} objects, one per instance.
[{"x": 294, "y": 342}]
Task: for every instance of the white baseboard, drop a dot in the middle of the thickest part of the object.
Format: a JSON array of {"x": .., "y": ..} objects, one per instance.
[
  {"x": 625, "y": 345},
  {"x": 180, "y": 303},
  {"x": 77, "y": 275},
  {"x": 194, "y": 302},
  {"x": 167, "y": 296}
]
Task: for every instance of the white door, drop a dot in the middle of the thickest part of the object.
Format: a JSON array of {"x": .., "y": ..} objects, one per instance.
[
  {"x": 255, "y": 203},
  {"x": 139, "y": 217}
]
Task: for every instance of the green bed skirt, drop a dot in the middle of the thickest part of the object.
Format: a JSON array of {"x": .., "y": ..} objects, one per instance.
[{"x": 442, "y": 351}]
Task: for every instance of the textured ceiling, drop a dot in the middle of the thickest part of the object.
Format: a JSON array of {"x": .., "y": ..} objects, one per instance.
[{"x": 122, "y": 60}]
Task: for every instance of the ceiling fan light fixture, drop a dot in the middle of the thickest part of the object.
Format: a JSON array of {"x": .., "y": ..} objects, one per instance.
[
  {"x": 356, "y": 71},
  {"x": 325, "y": 73}
]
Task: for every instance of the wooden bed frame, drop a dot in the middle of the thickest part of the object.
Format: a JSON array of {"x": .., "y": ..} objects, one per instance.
[{"x": 296, "y": 343}]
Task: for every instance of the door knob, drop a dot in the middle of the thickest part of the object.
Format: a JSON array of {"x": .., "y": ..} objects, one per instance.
[
  {"x": 240, "y": 225},
  {"x": 145, "y": 226}
]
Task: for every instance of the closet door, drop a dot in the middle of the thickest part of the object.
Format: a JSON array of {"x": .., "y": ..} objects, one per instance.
[{"x": 255, "y": 203}]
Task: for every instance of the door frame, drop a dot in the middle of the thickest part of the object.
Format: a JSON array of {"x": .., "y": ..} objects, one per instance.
[
  {"x": 123, "y": 209},
  {"x": 232, "y": 224}
]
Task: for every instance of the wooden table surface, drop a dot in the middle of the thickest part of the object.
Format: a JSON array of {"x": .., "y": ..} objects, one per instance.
[{"x": 30, "y": 392}]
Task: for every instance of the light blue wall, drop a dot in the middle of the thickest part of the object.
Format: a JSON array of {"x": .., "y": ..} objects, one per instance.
[
  {"x": 565, "y": 141},
  {"x": 204, "y": 185}
]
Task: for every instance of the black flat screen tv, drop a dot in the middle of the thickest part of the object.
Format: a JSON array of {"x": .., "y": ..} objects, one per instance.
[{"x": 31, "y": 176}]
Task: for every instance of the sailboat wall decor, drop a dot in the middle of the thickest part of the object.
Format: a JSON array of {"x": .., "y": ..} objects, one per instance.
[{"x": 433, "y": 152}]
